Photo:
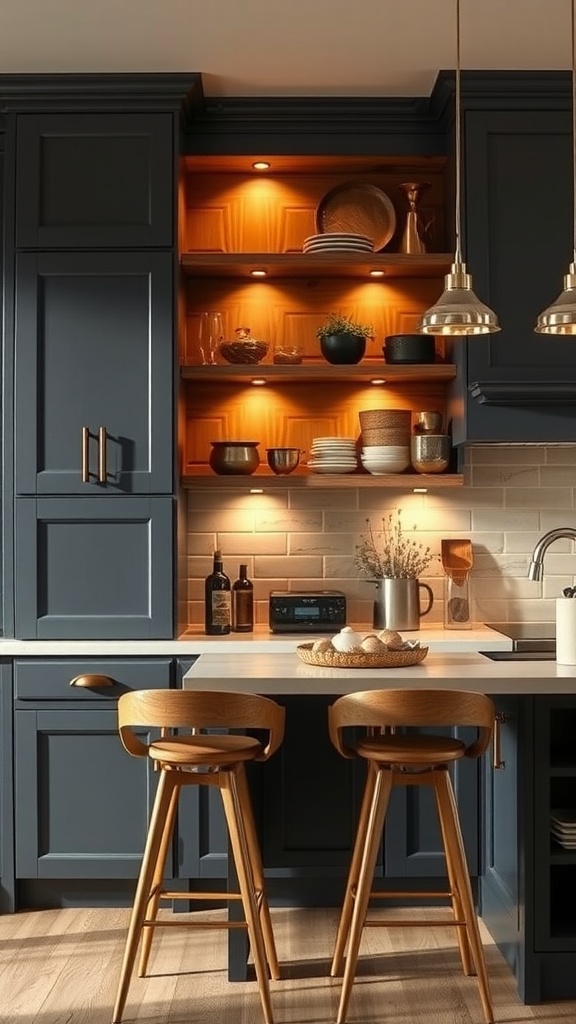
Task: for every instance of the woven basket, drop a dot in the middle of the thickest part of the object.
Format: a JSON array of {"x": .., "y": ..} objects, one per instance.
[
  {"x": 385, "y": 435},
  {"x": 357, "y": 659},
  {"x": 385, "y": 418}
]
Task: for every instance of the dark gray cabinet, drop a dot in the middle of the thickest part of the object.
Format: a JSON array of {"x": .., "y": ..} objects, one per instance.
[
  {"x": 94, "y": 568},
  {"x": 528, "y": 878},
  {"x": 517, "y": 385},
  {"x": 82, "y": 803},
  {"x": 94, "y": 373},
  {"x": 95, "y": 180},
  {"x": 7, "y": 878}
]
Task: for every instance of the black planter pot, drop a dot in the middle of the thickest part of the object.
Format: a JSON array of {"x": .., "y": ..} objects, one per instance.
[
  {"x": 343, "y": 348},
  {"x": 409, "y": 348}
]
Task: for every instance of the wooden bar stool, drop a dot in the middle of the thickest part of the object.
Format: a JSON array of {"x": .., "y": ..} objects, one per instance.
[
  {"x": 197, "y": 758},
  {"x": 397, "y": 758}
]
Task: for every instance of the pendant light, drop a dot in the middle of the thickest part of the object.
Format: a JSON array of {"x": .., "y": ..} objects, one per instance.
[
  {"x": 458, "y": 310},
  {"x": 560, "y": 317}
]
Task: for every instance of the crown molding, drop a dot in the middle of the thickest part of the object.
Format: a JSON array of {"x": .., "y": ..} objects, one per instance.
[{"x": 129, "y": 92}]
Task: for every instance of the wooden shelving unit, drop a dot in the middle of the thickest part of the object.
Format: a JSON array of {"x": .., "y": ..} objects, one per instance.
[
  {"x": 400, "y": 481},
  {"x": 299, "y": 264},
  {"x": 324, "y": 372}
]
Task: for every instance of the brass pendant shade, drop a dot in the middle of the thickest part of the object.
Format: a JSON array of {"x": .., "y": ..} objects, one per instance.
[
  {"x": 458, "y": 310},
  {"x": 560, "y": 317}
]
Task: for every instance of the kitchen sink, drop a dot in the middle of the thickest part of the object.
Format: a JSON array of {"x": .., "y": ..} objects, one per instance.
[{"x": 519, "y": 655}]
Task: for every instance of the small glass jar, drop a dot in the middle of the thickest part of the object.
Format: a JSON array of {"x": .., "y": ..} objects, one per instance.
[{"x": 457, "y": 605}]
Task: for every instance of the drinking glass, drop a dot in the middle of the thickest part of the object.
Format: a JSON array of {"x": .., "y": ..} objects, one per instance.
[{"x": 210, "y": 335}]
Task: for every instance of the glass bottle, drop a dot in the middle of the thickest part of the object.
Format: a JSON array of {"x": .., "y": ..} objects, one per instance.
[
  {"x": 210, "y": 336},
  {"x": 217, "y": 600},
  {"x": 242, "y": 603},
  {"x": 457, "y": 606}
]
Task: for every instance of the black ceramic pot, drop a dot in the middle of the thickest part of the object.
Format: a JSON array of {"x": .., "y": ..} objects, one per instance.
[
  {"x": 409, "y": 348},
  {"x": 343, "y": 348}
]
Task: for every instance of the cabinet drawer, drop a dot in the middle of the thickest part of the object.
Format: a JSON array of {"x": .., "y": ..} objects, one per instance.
[{"x": 50, "y": 678}]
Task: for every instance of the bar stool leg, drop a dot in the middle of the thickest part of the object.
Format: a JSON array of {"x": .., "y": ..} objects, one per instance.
[
  {"x": 379, "y": 805},
  {"x": 454, "y": 835},
  {"x": 463, "y": 944},
  {"x": 156, "y": 888},
  {"x": 166, "y": 785},
  {"x": 239, "y": 843},
  {"x": 353, "y": 873},
  {"x": 257, "y": 871}
]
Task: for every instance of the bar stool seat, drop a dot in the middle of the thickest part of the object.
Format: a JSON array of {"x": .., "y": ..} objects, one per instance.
[
  {"x": 195, "y": 757},
  {"x": 404, "y": 758}
]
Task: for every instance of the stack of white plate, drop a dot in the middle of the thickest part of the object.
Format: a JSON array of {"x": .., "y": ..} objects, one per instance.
[
  {"x": 380, "y": 459},
  {"x": 337, "y": 241},
  {"x": 563, "y": 828},
  {"x": 333, "y": 455}
]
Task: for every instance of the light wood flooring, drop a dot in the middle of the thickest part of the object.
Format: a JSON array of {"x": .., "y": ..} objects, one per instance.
[{"x": 61, "y": 967}]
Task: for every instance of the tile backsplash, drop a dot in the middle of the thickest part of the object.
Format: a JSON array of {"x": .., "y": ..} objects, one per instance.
[{"x": 305, "y": 538}]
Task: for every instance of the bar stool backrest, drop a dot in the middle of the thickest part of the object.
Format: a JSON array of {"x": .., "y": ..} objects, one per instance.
[
  {"x": 380, "y": 708},
  {"x": 197, "y": 710}
]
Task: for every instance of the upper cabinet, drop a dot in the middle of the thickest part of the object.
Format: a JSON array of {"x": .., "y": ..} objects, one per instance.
[
  {"x": 517, "y": 385},
  {"x": 94, "y": 180}
]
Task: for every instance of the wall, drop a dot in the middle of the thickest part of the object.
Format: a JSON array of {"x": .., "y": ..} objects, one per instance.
[{"x": 305, "y": 538}]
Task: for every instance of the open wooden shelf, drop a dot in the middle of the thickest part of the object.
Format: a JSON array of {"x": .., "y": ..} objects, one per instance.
[
  {"x": 401, "y": 481},
  {"x": 308, "y": 372},
  {"x": 299, "y": 264}
]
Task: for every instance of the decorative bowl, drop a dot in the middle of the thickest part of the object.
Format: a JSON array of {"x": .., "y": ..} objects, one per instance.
[
  {"x": 430, "y": 453},
  {"x": 409, "y": 348},
  {"x": 342, "y": 348},
  {"x": 361, "y": 659}
]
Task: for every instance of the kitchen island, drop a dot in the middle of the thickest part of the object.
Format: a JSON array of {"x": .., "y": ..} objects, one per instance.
[{"x": 524, "y": 879}]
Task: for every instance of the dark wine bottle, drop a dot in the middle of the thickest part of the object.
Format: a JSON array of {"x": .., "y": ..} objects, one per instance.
[
  {"x": 217, "y": 599},
  {"x": 243, "y": 603}
]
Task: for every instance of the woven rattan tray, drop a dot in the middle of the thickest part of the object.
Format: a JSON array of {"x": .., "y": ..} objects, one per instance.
[{"x": 357, "y": 659}]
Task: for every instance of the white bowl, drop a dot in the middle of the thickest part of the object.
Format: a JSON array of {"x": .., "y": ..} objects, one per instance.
[
  {"x": 388, "y": 466},
  {"x": 385, "y": 449}
]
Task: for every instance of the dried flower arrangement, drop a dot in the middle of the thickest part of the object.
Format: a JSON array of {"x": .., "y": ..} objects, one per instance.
[{"x": 388, "y": 553}]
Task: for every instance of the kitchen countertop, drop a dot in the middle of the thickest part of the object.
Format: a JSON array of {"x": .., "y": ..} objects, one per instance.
[
  {"x": 285, "y": 674},
  {"x": 261, "y": 641}
]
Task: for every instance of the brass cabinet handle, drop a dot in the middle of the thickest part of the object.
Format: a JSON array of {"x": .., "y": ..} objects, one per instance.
[
  {"x": 91, "y": 682},
  {"x": 499, "y": 719},
  {"x": 102, "y": 440},
  {"x": 85, "y": 440}
]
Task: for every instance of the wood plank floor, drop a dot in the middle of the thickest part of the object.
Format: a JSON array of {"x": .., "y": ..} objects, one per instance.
[{"x": 61, "y": 967}]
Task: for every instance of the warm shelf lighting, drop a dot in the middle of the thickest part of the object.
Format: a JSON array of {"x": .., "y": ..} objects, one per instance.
[
  {"x": 256, "y": 490},
  {"x": 258, "y": 382},
  {"x": 261, "y": 165},
  {"x": 458, "y": 310},
  {"x": 378, "y": 380},
  {"x": 258, "y": 273},
  {"x": 376, "y": 273},
  {"x": 419, "y": 490},
  {"x": 560, "y": 317}
]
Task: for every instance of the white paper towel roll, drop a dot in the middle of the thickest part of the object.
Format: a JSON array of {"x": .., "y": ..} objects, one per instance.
[{"x": 566, "y": 630}]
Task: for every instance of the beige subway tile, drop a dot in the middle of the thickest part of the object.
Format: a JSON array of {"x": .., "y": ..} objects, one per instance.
[
  {"x": 505, "y": 476},
  {"x": 520, "y": 541},
  {"x": 509, "y": 587},
  {"x": 321, "y": 543},
  {"x": 506, "y": 520},
  {"x": 389, "y": 499},
  {"x": 558, "y": 475},
  {"x": 199, "y": 567},
  {"x": 218, "y": 498},
  {"x": 550, "y": 519},
  {"x": 465, "y": 498},
  {"x": 255, "y": 543},
  {"x": 293, "y": 566},
  {"x": 310, "y": 497},
  {"x": 223, "y": 521},
  {"x": 538, "y": 497},
  {"x": 200, "y": 543},
  {"x": 263, "y": 587},
  {"x": 288, "y": 521},
  {"x": 501, "y": 565},
  {"x": 561, "y": 455},
  {"x": 552, "y": 586},
  {"x": 559, "y": 564},
  {"x": 508, "y": 454},
  {"x": 339, "y": 565},
  {"x": 493, "y": 543}
]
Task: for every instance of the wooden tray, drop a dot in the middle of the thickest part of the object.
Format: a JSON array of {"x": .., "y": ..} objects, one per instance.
[{"x": 354, "y": 659}]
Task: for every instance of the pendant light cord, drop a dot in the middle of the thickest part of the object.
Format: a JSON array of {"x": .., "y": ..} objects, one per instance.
[
  {"x": 457, "y": 225},
  {"x": 573, "y": 25}
]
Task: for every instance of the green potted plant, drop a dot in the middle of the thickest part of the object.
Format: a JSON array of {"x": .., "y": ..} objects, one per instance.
[{"x": 342, "y": 339}]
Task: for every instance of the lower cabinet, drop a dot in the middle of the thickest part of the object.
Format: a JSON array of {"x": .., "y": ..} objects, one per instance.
[
  {"x": 7, "y": 879},
  {"x": 82, "y": 804},
  {"x": 529, "y": 878},
  {"x": 94, "y": 568}
]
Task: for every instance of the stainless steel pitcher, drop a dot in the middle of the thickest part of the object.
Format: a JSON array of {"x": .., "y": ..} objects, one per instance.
[{"x": 397, "y": 603}]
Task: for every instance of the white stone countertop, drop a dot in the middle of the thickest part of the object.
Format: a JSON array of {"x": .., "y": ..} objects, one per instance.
[
  {"x": 286, "y": 674},
  {"x": 261, "y": 641}
]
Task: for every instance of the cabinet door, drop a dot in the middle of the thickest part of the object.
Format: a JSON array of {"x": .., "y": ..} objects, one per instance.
[
  {"x": 82, "y": 803},
  {"x": 95, "y": 180},
  {"x": 412, "y": 840},
  {"x": 94, "y": 349},
  {"x": 7, "y": 887},
  {"x": 518, "y": 247},
  {"x": 94, "y": 568}
]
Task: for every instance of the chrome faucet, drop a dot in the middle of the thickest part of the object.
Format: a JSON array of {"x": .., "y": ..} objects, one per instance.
[{"x": 537, "y": 560}]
